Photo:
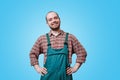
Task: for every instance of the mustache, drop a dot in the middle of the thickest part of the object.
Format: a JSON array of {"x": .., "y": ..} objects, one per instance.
[{"x": 55, "y": 22}]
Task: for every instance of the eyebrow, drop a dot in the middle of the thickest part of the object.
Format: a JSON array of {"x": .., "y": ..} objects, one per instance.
[{"x": 54, "y": 17}]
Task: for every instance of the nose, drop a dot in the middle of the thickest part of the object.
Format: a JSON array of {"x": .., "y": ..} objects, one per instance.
[{"x": 54, "y": 21}]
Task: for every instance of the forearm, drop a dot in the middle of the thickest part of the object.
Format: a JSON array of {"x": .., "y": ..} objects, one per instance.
[
  {"x": 36, "y": 66},
  {"x": 35, "y": 52},
  {"x": 77, "y": 66}
]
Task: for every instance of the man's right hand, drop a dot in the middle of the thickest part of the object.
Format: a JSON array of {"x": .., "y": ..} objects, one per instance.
[{"x": 40, "y": 70}]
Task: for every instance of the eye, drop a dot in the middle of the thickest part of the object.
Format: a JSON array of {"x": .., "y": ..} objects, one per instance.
[
  {"x": 56, "y": 17},
  {"x": 50, "y": 19}
]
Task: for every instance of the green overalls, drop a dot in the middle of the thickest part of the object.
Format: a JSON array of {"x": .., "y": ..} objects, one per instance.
[{"x": 57, "y": 62}]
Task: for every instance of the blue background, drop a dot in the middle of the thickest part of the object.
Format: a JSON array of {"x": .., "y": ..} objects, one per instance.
[{"x": 94, "y": 22}]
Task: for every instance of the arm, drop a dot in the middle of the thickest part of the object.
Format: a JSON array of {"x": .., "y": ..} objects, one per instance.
[
  {"x": 81, "y": 55},
  {"x": 34, "y": 55},
  {"x": 35, "y": 52}
]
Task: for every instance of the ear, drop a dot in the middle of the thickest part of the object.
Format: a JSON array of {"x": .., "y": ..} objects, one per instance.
[{"x": 46, "y": 22}]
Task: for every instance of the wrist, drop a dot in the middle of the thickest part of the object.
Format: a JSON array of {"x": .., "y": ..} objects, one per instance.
[
  {"x": 77, "y": 66},
  {"x": 36, "y": 66}
]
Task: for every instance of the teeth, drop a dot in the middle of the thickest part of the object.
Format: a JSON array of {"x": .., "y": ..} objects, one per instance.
[{"x": 54, "y": 23}]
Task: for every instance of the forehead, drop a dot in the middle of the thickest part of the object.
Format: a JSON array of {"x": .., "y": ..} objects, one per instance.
[{"x": 51, "y": 15}]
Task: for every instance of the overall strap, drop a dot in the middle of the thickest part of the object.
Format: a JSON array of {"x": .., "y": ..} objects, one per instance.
[
  {"x": 66, "y": 38},
  {"x": 48, "y": 39}
]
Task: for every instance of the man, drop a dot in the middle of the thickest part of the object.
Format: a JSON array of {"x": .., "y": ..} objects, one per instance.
[{"x": 57, "y": 47}]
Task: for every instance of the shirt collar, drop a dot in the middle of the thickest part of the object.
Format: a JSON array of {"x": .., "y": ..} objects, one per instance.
[{"x": 60, "y": 33}]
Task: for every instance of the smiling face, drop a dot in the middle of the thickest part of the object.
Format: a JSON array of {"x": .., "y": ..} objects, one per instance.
[{"x": 53, "y": 21}]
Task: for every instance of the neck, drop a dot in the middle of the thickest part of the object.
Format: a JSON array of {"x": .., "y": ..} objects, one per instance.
[{"x": 55, "y": 32}]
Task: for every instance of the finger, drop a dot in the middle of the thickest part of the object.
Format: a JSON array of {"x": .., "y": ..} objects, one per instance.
[
  {"x": 44, "y": 71},
  {"x": 42, "y": 74},
  {"x": 68, "y": 67},
  {"x": 69, "y": 71},
  {"x": 44, "y": 68}
]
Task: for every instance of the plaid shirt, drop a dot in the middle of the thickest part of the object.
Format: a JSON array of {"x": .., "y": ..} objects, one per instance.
[{"x": 74, "y": 46}]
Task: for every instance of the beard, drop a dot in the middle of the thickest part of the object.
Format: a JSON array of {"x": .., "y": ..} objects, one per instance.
[
  {"x": 55, "y": 26},
  {"x": 55, "y": 29}
]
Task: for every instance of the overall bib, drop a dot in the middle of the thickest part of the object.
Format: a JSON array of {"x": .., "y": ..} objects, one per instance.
[{"x": 57, "y": 62}]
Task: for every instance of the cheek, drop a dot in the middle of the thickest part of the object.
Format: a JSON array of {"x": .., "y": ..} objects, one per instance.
[
  {"x": 49, "y": 23},
  {"x": 59, "y": 21}
]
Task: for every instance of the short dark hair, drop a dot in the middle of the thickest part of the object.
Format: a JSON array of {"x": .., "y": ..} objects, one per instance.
[{"x": 51, "y": 12}]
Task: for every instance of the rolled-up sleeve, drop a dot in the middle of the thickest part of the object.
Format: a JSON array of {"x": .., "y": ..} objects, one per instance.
[
  {"x": 79, "y": 50},
  {"x": 35, "y": 51}
]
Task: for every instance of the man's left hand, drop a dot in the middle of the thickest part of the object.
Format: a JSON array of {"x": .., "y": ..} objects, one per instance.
[{"x": 71, "y": 70}]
